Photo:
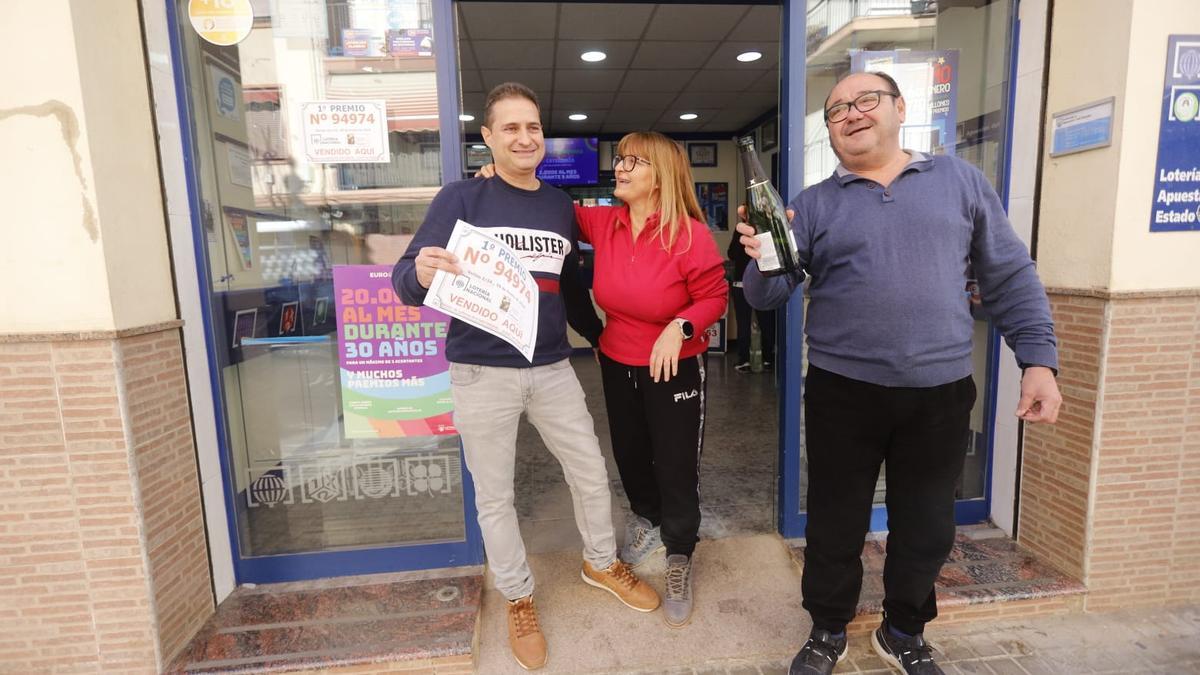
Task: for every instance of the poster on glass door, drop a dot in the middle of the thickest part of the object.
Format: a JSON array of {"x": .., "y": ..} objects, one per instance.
[
  {"x": 928, "y": 81},
  {"x": 395, "y": 379},
  {"x": 341, "y": 132}
]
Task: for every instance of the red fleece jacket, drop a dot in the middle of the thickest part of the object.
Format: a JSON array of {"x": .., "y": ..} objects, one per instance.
[{"x": 641, "y": 287}]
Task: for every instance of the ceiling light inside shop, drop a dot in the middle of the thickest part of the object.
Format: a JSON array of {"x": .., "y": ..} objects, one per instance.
[
  {"x": 747, "y": 57},
  {"x": 688, "y": 117},
  {"x": 577, "y": 117},
  {"x": 479, "y": 146},
  {"x": 466, "y": 118},
  {"x": 593, "y": 57}
]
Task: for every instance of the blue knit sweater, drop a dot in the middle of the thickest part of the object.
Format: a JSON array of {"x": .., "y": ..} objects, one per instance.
[
  {"x": 889, "y": 266},
  {"x": 540, "y": 226}
]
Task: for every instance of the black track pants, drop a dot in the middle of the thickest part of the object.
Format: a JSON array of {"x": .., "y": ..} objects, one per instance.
[{"x": 657, "y": 433}]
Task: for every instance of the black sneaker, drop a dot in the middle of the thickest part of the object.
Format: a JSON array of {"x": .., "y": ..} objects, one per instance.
[
  {"x": 820, "y": 655},
  {"x": 909, "y": 655},
  {"x": 743, "y": 367},
  {"x": 768, "y": 366}
]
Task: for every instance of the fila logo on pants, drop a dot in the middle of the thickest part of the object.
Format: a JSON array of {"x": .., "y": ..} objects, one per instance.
[{"x": 685, "y": 395}]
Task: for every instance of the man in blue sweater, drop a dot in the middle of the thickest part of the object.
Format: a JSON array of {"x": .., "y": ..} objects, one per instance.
[
  {"x": 492, "y": 384},
  {"x": 887, "y": 240}
]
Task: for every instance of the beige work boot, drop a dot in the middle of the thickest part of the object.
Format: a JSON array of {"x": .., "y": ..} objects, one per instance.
[
  {"x": 619, "y": 580},
  {"x": 525, "y": 637}
]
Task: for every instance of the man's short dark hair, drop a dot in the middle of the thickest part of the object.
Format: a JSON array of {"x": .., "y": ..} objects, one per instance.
[
  {"x": 507, "y": 90},
  {"x": 880, "y": 74}
]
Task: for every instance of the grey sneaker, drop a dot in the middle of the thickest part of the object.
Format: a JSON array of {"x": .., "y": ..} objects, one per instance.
[
  {"x": 642, "y": 540},
  {"x": 677, "y": 603}
]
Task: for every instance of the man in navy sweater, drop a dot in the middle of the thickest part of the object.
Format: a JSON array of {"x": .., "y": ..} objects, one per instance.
[
  {"x": 887, "y": 240},
  {"x": 492, "y": 384}
]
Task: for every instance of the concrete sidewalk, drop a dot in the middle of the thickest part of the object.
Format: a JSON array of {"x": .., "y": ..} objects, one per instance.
[
  {"x": 747, "y": 594},
  {"x": 752, "y": 624},
  {"x": 1159, "y": 640}
]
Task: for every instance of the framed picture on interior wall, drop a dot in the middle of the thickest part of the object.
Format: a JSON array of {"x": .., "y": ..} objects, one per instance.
[
  {"x": 702, "y": 154},
  {"x": 226, "y": 109},
  {"x": 243, "y": 325},
  {"x": 239, "y": 226},
  {"x": 714, "y": 202},
  {"x": 769, "y": 135},
  {"x": 321, "y": 314},
  {"x": 289, "y": 318}
]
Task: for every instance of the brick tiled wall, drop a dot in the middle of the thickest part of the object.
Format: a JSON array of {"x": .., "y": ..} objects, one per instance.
[
  {"x": 1056, "y": 461},
  {"x": 1185, "y": 583},
  {"x": 160, "y": 426},
  {"x": 103, "y": 564},
  {"x": 1140, "y": 358}
]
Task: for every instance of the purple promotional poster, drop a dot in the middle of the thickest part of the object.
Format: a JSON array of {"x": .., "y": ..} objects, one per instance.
[
  {"x": 570, "y": 161},
  {"x": 410, "y": 42},
  {"x": 392, "y": 357}
]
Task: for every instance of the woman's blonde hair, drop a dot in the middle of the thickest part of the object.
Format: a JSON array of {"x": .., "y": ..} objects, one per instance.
[{"x": 676, "y": 194}]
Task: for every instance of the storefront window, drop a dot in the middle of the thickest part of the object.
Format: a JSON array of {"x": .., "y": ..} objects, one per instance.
[
  {"x": 317, "y": 147},
  {"x": 951, "y": 61}
]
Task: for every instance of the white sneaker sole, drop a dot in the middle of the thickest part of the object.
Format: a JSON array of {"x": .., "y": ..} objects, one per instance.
[
  {"x": 884, "y": 654},
  {"x": 592, "y": 582}
]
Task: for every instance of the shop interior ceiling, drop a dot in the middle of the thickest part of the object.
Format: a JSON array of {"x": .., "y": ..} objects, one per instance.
[{"x": 663, "y": 60}]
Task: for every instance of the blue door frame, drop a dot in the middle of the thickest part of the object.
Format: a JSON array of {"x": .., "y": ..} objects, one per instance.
[
  {"x": 469, "y": 551},
  {"x": 293, "y": 567},
  {"x": 791, "y": 517}
]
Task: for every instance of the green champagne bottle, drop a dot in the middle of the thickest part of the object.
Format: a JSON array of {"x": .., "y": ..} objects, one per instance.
[{"x": 765, "y": 211}]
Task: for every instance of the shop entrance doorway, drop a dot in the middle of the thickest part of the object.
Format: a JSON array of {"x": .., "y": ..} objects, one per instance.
[{"x": 703, "y": 75}]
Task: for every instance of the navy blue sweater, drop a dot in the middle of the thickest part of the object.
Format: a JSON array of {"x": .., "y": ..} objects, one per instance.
[
  {"x": 540, "y": 226},
  {"x": 889, "y": 267}
]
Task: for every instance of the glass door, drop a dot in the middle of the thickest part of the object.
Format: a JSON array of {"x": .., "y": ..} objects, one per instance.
[
  {"x": 953, "y": 62},
  {"x": 317, "y": 131}
]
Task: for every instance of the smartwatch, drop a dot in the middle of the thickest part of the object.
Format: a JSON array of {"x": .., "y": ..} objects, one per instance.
[{"x": 685, "y": 327}]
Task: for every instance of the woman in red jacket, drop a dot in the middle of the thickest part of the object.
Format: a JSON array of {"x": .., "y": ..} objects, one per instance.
[{"x": 660, "y": 281}]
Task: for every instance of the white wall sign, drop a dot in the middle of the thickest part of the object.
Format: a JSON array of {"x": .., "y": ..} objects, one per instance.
[
  {"x": 226, "y": 92},
  {"x": 341, "y": 132},
  {"x": 1082, "y": 128},
  {"x": 239, "y": 166}
]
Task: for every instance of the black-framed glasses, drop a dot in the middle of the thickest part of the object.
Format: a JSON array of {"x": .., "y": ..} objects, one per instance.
[
  {"x": 864, "y": 102},
  {"x": 627, "y": 162}
]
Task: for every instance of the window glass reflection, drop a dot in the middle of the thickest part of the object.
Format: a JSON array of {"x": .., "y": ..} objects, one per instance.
[
  {"x": 951, "y": 61},
  {"x": 316, "y": 145}
]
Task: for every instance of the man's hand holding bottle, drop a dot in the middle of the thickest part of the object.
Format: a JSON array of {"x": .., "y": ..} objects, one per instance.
[{"x": 747, "y": 231}]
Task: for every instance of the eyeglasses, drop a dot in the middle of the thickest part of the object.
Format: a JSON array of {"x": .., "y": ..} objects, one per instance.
[
  {"x": 865, "y": 102},
  {"x": 628, "y": 162}
]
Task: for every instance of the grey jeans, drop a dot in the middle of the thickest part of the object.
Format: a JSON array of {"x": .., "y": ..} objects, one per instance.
[{"x": 488, "y": 403}]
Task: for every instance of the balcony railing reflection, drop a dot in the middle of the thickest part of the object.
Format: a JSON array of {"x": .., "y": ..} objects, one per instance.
[{"x": 826, "y": 17}]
